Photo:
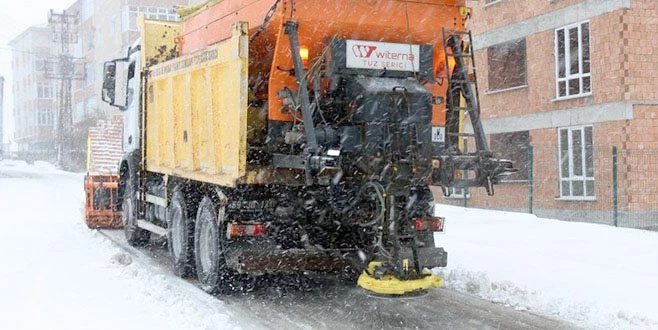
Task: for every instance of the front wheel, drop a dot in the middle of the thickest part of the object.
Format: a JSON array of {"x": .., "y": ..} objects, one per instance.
[
  {"x": 134, "y": 235},
  {"x": 212, "y": 271}
]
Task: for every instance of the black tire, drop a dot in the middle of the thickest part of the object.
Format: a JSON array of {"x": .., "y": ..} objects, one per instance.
[
  {"x": 180, "y": 235},
  {"x": 134, "y": 235},
  {"x": 211, "y": 268}
]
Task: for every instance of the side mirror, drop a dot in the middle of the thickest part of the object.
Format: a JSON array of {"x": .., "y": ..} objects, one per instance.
[{"x": 109, "y": 82}]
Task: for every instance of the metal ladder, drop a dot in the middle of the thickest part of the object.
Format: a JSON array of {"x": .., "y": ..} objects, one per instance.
[{"x": 462, "y": 82}]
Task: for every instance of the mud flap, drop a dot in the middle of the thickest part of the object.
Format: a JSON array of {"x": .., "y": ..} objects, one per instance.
[{"x": 428, "y": 257}]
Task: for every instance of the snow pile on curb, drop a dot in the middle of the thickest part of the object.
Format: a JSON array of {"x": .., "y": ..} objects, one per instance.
[
  {"x": 592, "y": 275},
  {"x": 176, "y": 303},
  {"x": 58, "y": 274}
]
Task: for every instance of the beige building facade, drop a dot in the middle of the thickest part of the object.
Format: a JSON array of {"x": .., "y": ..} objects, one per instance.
[{"x": 34, "y": 95}]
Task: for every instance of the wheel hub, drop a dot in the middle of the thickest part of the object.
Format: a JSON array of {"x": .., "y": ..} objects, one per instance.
[
  {"x": 177, "y": 232},
  {"x": 207, "y": 247}
]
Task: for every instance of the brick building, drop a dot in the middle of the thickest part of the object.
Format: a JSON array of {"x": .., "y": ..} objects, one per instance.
[{"x": 572, "y": 79}]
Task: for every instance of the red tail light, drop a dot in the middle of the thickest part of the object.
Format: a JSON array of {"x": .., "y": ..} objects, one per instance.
[
  {"x": 237, "y": 230},
  {"x": 428, "y": 224},
  {"x": 258, "y": 230}
]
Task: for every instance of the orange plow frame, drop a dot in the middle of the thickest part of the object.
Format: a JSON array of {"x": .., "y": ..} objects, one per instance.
[{"x": 102, "y": 214}]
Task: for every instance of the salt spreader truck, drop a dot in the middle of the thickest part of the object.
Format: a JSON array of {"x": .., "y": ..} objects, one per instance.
[{"x": 270, "y": 136}]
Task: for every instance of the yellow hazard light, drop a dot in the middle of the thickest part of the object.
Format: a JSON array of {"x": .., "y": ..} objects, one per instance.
[
  {"x": 451, "y": 64},
  {"x": 303, "y": 52}
]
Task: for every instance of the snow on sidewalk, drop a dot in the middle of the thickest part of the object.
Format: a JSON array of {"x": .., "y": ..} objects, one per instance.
[
  {"x": 594, "y": 275},
  {"x": 55, "y": 273}
]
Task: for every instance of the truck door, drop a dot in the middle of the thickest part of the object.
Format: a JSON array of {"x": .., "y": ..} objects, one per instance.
[{"x": 131, "y": 115}]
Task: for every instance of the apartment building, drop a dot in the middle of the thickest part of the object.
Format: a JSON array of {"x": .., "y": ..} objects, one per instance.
[
  {"x": 562, "y": 83},
  {"x": 105, "y": 30},
  {"x": 34, "y": 95},
  {"x": 102, "y": 31}
]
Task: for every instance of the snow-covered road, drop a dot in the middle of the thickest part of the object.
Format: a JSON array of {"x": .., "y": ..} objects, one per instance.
[
  {"x": 321, "y": 302},
  {"x": 55, "y": 273}
]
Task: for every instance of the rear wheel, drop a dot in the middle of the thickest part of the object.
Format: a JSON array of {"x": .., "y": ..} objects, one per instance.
[
  {"x": 134, "y": 235},
  {"x": 180, "y": 236},
  {"x": 212, "y": 271}
]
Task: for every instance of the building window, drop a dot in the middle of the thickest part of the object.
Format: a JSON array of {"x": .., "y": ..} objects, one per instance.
[
  {"x": 90, "y": 107},
  {"x": 572, "y": 60},
  {"x": 459, "y": 193},
  {"x": 90, "y": 74},
  {"x": 87, "y": 9},
  {"x": 79, "y": 112},
  {"x": 507, "y": 64},
  {"x": 44, "y": 117},
  {"x": 40, "y": 64},
  {"x": 132, "y": 12},
  {"x": 576, "y": 162},
  {"x": 491, "y": 2},
  {"x": 90, "y": 40},
  {"x": 44, "y": 90},
  {"x": 513, "y": 146}
]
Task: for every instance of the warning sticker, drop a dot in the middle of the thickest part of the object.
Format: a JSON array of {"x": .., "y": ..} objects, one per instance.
[{"x": 438, "y": 134}]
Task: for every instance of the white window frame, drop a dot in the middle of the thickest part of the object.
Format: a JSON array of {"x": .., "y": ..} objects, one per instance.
[
  {"x": 46, "y": 90},
  {"x": 458, "y": 193},
  {"x": 571, "y": 177},
  {"x": 493, "y": 2},
  {"x": 89, "y": 74},
  {"x": 567, "y": 62},
  {"x": 44, "y": 117}
]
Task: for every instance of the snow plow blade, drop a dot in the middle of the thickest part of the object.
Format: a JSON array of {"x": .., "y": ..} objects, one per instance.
[
  {"x": 101, "y": 207},
  {"x": 390, "y": 285}
]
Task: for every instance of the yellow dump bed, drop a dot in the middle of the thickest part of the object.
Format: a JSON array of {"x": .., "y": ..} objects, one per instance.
[{"x": 196, "y": 109}]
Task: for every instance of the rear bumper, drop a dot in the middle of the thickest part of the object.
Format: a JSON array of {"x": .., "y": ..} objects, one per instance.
[
  {"x": 103, "y": 219},
  {"x": 260, "y": 259},
  {"x": 266, "y": 261}
]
